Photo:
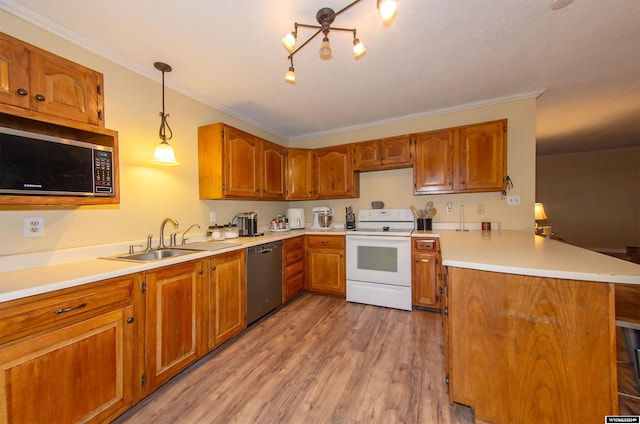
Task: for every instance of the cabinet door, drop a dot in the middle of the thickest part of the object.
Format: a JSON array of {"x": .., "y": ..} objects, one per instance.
[
  {"x": 325, "y": 265},
  {"x": 333, "y": 173},
  {"x": 366, "y": 155},
  {"x": 273, "y": 171},
  {"x": 433, "y": 166},
  {"x": 483, "y": 151},
  {"x": 227, "y": 297},
  {"x": 173, "y": 320},
  {"x": 79, "y": 373},
  {"x": 299, "y": 174},
  {"x": 242, "y": 164},
  {"x": 424, "y": 279},
  {"x": 395, "y": 151},
  {"x": 14, "y": 60},
  {"x": 65, "y": 89}
]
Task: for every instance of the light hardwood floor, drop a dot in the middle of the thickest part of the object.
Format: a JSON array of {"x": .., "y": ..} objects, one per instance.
[{"x": 317, "y": 360}]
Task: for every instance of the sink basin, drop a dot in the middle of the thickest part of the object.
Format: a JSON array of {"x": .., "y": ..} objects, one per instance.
[{"x": 152, "y": 255}]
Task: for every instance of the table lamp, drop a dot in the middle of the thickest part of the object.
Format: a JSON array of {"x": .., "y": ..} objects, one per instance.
[{"x": 539, "y": 215}]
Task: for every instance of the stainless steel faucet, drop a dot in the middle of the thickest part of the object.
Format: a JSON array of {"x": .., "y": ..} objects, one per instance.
[
  {"x": 184, "y": 239},
  {"x": 161, "y": 244}
]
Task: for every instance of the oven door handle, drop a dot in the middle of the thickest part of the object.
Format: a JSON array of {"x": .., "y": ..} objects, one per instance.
[{"x": 381, "y": 238}]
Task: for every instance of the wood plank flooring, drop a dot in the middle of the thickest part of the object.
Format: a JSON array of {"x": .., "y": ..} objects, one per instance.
[{"x": 317, "y": 360}]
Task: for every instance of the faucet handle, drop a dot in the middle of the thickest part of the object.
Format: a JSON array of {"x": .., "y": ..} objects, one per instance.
[
  {"x": 172, "y": 239},
  {"x": 132, "y": 248},
  {"x": 149, "y": 241}
]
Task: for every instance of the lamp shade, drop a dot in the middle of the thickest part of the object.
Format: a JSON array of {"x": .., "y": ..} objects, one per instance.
[
  {"x": 164, "y": 155},
  {"x": 538, "y": 211}
]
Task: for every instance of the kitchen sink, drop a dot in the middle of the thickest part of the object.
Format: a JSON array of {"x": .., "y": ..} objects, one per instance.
[{"x": 152, "y": 255}]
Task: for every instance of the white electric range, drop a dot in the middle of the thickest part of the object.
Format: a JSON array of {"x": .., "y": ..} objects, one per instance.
[{"x": 378, "y": 258}]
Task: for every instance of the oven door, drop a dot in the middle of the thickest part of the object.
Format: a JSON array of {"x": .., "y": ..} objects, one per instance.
[{"x": 379, "y": 259}]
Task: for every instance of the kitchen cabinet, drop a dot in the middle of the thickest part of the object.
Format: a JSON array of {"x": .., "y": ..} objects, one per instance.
[
  {"x": 334, "y": 176},
  {"x": 71, "y": 355},
  {"x": 325, "y": 266},
  {"x": 471, "y": 158},
  {"x": 386, "y": 153},
  {"x": 531, "y": 349},
  {"x": 174, "y": 319},
  {"x": 427, "y": 275},
  {"x": 293, "y": 267},
  {"x": 36, "y": 83},
  {"x": 227, "y": 297},
  {"x": 233, "y": 164},
  {"x": 300, "y": 174}
]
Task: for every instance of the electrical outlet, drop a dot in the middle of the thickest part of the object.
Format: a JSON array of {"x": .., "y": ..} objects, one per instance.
[
  {"x": 513, "y": 200},
  {"x": 212, "y": 217},
  {"x": 480, "y": 209},
  {"x": 449, "y": 208},
  {"x": 34, "y": 226}
]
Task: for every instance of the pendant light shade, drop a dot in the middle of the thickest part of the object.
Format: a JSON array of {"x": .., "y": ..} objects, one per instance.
[
  {"x": 164, "y": 154},
  {"x": 387, "y": 9}
]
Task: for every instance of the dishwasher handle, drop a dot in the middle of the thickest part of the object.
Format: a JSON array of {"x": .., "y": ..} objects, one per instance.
[{"x": 265, "y": 250}]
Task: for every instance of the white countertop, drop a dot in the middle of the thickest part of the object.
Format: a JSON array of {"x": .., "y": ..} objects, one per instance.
[
  {"x": 514, "y": 252},
  {"x": 519, "y": 252}
]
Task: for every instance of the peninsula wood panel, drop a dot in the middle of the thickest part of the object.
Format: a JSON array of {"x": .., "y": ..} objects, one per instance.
[{"x": 530, "y": 349}]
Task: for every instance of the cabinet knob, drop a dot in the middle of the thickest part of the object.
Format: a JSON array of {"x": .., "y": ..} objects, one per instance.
[
  {"x": 200, "y": 272},
  {"x": 213, "y": 268},
  {"x": 450, "y": 183},
  {"x": 463, "y": 182},
  {"x": 440, "y": 290},
  {"x": 40, "y": 97},
  {"x": 22, "y": 92},
  {"x": 130, "y": 320}
]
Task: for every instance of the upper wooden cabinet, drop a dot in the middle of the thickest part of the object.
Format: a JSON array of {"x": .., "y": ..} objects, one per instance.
[
  {"x": 36, "y": 83},
  {"x": 387, "y": 153},
  {"x": 334, "y": 176},
  {"x": 472, "y": 158},
  {"x": 300, "y": 174},
  {"x": 235, "y": 164}
]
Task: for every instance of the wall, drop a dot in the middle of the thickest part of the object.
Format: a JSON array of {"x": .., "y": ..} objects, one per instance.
[
  {"x": 150, "y": 193},
  {"x": 592, "y": 199}
]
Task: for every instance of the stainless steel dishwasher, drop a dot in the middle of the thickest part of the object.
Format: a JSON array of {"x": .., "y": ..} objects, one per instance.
[{"x": 264, "y": 279}]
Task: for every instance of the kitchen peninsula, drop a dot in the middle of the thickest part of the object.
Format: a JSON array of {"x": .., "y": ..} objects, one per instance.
[{"x": 529, "y": 324}]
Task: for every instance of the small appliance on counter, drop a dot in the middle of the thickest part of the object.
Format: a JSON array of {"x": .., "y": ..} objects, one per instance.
[
  {"x": 247, "y": 224},
  {"x": 322, "y": 217},
  {"x": 295, "y": 216},
  {"x": 350, "y": 219}
]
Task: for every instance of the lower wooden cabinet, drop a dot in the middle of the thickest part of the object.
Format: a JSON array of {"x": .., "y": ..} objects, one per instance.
[
  {"x": 293, "y": 267},
  {"x": 174, "y": 319},
  {"x": 226, "y": 297},
  {"x": 325, "y": 265},
  {"x": 524, "y": 349},
  {"x": 427, "y": 275},
  {"x": 75, "y": 358}
]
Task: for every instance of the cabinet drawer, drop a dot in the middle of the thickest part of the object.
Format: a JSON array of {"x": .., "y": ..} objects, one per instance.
[
  {"x": 293, "y": 269},
  {"x": 27, "y": 316},
  {"x": 293, "y": 244},
  {"x": 293, "y": 257},
  {"x": 325, "y": 241},
  {"x": 293, "y": 287},
  {"x": 429, "y": 245}
]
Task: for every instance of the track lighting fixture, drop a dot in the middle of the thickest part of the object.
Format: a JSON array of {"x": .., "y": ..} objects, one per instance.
[
  {"x": 325, "y": 18},
  {"x": 164, "y": 154}
]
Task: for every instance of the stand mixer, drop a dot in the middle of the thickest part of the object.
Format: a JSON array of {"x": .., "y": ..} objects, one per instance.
[{"x": 322, "y": 217}]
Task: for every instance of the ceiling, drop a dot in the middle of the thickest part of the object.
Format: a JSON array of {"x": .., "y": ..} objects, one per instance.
[{"x": 581, "y": 61}]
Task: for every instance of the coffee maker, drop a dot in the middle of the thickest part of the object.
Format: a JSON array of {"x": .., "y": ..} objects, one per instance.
[{"x": 322, "y": 217}]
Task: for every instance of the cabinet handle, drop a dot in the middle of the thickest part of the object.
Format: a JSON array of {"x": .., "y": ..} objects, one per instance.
[
  {"x": 463, "y": 182},
  {"x": 450, "y": 183},
  {"x": 63, "y": 310},
  {"x": 40, "y": 97},
  {"x": 213, "y": 268},
  {"x": 22, "y": 92},
  {"x": 200, "y": 272},
  {"x": 130, "y": 320},
  {"x": 440, "y": 290}
]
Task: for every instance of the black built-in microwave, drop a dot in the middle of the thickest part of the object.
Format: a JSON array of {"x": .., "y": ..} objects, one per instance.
[{"x": 44, "y": 165}]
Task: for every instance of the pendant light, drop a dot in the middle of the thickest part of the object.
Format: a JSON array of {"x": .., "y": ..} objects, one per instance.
[{"x": 164, "y": 154}]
